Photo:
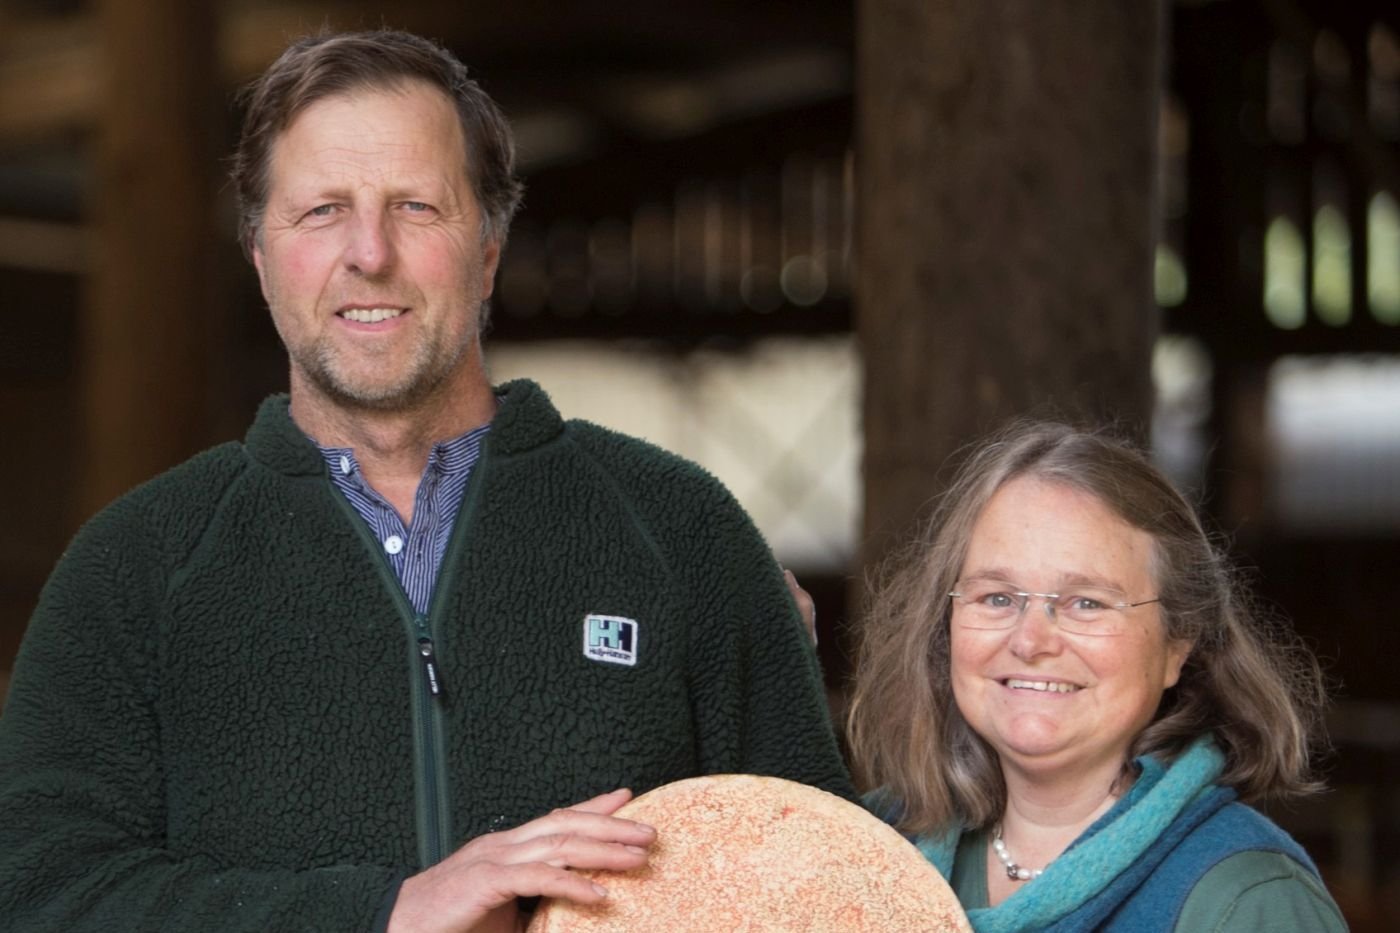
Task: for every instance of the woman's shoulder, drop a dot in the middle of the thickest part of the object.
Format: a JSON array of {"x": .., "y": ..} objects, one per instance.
[
  {"x": 1231, "y": 872},
  {"x": 1260, "y": 890}
]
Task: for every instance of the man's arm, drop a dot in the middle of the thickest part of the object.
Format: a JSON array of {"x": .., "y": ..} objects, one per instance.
[
  {"x": 760, "y": 705},
  {"x": 83, "y": 788}
]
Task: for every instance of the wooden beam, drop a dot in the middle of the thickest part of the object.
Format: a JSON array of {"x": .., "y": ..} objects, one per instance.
[
  {"x": 1006, "y": 156},
  {"x": 149, "y": 351}
]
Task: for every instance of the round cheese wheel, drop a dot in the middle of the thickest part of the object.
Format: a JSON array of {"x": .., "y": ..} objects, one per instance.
[{"x": 739, "y": 852}]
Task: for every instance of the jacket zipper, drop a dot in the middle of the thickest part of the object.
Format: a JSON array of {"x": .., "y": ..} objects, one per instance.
[
  {"x": 432, "y": 828},
  {"x": 426, "y": 687},
  {"x": 432, "y": 811},
  {"x": 432, "y": 677}
]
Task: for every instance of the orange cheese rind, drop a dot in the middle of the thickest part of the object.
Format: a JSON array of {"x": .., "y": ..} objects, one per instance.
[{"x": 740, "y": 853}]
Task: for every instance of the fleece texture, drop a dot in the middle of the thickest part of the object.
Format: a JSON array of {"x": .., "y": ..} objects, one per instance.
[{"x": 220, "y": 718}]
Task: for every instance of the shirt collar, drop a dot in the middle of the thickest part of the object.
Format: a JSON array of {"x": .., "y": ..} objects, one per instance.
[{"x": 447, "y": 458}]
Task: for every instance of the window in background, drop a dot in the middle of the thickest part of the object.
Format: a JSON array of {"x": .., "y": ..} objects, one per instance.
[
  {"x": 1182, "y": 374},
  {"x": 1334, "y": 434},
  {"x": 776, "y": 422},
  {"x": 1383, "y": 251}
]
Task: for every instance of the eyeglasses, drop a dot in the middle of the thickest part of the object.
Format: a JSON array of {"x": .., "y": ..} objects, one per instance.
[{"x": 1084, "y": 610}]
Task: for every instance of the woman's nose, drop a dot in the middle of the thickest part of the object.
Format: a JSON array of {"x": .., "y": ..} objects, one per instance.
[{"x": 1035, "y": 633}]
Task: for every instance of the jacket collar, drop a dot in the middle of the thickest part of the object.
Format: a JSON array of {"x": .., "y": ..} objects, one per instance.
[{"x": 525, "y": 419}]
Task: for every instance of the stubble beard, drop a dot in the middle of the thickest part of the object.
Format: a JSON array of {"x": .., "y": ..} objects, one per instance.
[{"x": 428, "y": 368}]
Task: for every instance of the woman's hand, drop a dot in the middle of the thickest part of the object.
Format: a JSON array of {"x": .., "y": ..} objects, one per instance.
[{"x": 806, "y": 607}]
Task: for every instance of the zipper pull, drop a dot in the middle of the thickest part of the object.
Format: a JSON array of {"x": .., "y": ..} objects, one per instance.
[{"x": 430, "y": 666}]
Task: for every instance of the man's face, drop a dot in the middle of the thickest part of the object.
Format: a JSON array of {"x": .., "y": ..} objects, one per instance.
[{"x": 370, "y": 255}]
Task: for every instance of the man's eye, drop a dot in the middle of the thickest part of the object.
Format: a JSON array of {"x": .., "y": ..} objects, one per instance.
[
  {"x": 321, "y": 210},
  {"x": 416, "y": 207}
]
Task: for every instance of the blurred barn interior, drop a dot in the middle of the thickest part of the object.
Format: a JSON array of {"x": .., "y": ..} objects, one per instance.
[{"x": 814, "y": 246}]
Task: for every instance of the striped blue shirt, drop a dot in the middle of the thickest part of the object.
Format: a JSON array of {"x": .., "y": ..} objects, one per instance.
[{"x": 414, "y": 552}]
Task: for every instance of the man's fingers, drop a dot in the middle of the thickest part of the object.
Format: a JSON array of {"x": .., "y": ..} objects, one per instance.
[
  {"x": 573, "y": 851},
  {"x": 590, "y": 819},
  {"x": 536, "y": 879},
  {"x": 480, "y": 881},
  {"x": 606, "y": 804}
]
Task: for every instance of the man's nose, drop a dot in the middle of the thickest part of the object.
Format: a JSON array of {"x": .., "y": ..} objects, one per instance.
[{"x": 369, "y": 249}]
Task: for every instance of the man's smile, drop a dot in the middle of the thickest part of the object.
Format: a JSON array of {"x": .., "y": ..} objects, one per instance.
[{"x": 369, "y": 315}]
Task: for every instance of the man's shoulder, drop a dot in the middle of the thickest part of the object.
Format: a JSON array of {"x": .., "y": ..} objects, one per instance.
[
  {"x": 662, "y": 489},
  {"x": 147, "y": 532},
  {"x": 630, "y": 451},
  {"x": 171, "y": 505},
  {"x": 210, "y": 468},
  {"x": 528, "y": 422},
  {"x": 645, "y": 470},
  {"x": 199, "y": 483}
]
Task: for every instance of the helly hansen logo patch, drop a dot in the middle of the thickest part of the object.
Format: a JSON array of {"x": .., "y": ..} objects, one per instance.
[{"x": 610, "y": 639}]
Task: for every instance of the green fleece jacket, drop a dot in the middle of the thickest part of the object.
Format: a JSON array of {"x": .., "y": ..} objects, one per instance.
[{"x": 221, "y": 719}]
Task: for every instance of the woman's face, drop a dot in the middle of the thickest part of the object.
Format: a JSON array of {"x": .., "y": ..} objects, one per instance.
[{"x": 1048, "y": 701}]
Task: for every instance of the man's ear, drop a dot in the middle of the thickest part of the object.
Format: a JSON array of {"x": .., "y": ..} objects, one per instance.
[
  {"x": 255, "y": 252},
  {"x": 490, "y": 259}
]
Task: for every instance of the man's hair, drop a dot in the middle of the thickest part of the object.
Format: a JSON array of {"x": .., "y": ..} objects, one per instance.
[
  {"x": 321, "y": 66},
  {"x": 1247, "y": 682}
]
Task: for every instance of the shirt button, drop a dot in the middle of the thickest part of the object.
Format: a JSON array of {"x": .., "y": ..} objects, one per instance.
[
  {"x": 344, "y": 464},
  {"x": 393, "y": 544}
]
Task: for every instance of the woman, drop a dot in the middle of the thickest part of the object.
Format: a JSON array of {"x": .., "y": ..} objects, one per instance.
[{"x": 1067, "y": 704}]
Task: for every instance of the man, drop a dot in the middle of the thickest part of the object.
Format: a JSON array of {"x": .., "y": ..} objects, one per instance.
[{"x": 329, "y": 679}]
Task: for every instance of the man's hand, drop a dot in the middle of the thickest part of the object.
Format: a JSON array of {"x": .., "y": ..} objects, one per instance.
[{"x": 474, "y": 889}]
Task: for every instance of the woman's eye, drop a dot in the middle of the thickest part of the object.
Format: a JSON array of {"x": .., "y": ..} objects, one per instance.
[
  {"x": 1085, "y": 604},
  {"x": 998, "y": 600}
]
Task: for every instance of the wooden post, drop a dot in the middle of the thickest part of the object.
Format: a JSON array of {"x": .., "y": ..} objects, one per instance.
[
  {"x": 1006, "y": 156},
  {"x": 147, "y": 342}
]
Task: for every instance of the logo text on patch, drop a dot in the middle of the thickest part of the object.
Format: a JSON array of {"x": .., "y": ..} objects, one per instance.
[{"x": 610, "y": 639}]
